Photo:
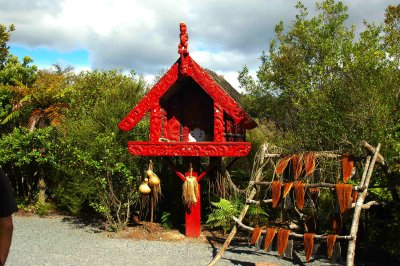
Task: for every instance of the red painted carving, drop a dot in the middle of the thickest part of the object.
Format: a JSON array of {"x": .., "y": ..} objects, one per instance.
[
  {"x": 155, "y": 123},
  {"x": 183, "y": 49},
  {"x": 173, "y": 129},
  {"x": 233, "y": 149},
  {"x": 218, "y": 123},
  {"x": 184, "y": 37},
  {"x": 220, "y": 96},
  {"x": 150, "y": 100}
]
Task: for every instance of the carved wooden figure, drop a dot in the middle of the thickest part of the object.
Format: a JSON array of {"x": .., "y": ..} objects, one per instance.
[{"x": 193, "y": 113}]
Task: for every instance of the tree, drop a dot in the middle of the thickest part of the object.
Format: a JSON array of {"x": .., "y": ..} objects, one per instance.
[
  {"x": 321, "y": 85},
  {"x": 94, "y": 166}
]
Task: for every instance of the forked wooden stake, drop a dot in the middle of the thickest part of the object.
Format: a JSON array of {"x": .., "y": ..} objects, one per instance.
[{"x": 357, "y": 210}]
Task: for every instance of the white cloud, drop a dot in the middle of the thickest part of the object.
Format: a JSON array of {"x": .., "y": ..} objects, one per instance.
[{"x": 224, "y": 35}]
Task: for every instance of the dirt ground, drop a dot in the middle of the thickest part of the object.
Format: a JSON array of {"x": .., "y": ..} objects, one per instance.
[{"x": 142, "y": 230}]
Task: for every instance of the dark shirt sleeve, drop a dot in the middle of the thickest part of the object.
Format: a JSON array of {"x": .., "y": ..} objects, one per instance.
[{"x": 7, "y": 199}]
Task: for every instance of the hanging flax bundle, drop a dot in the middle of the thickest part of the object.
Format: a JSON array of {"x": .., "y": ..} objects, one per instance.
[
  {"x": 282, "y": 164},
  {"x": 308, "y": 245},
  {"x": 283, "y": 237},
  {"x": 190, "y": 190},
  {"x": 269, "y": 236},
  {"x": 286, "y": 188},
  {"x": 347, "y": 167},
  {"x": 310, "y": 159},
  {"x": 330, "y": 244},
  {"x": 297, "y": 165},
  {"x": 255, "y": 235},
  {"x": 299, "y": 194},
  {"x": 276, "y": 192},
  {"x": 343, "y": 192}
]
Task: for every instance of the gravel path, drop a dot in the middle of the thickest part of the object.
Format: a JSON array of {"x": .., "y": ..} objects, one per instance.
[{"x": 54, "y": 241}]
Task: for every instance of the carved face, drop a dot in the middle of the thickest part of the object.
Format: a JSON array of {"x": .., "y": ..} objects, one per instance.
[{"x": 197, "y": 135}]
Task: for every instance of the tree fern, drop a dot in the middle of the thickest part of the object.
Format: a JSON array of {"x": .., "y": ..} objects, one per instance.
[{"x": 221, "y": 215}]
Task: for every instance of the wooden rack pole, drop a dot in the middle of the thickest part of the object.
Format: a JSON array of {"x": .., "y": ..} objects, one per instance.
[
  {"x": 314, "y": 185},
  {"x": 292, "y": 234},
  {"x": 251, "y": 195},
  {"x": 357, "y": 210}
]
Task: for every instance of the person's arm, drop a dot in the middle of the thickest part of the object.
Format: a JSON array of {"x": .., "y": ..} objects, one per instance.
[{"x": 6, "y": 230}]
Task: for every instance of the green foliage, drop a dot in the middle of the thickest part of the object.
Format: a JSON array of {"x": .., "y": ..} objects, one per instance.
[
  {"x": 97, "y": 170},
  {"x": 29, "y": 156},
  {"x": 321, "y": 86},
  {"x": 221, "y": 215},
  {"x": 166, "y": 220}
]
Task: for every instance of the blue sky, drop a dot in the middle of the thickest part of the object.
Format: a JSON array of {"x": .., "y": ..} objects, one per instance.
[
  {"x": 143, "y": 35},
  {"x": 45, "y": 57}
]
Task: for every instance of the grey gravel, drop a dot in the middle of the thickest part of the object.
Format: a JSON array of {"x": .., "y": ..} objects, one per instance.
[{"x": 55, "y": 241}]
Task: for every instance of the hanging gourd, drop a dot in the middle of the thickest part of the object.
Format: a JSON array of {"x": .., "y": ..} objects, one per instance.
[
  {"x": 153, "y": 178},
  {"x": 144, "y": 188}
]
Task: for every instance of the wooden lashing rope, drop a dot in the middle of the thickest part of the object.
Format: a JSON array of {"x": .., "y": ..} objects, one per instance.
[
  {"x": 269, "y": 236},
  {"x": 308, "y": 245},
  {"x": 347, "y": 167},
  {"x": 299, "y": 194},
  {"x": 297, "y": 165},
  {"x": 286, "y": 188},
  {"x": 255, "y": 235},
  {"x": 343, "y": 192},
  {"x": 330, "y": 243},
  {"x": 282, "y": 164},
  {"x": 309, "y": 160},
  {"x": 276, "y": 192},
  {"x": 283, "y": 237}
]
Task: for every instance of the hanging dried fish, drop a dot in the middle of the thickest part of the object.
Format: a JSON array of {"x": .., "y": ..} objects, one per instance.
[
  {"x": 283, "y": 237},
  {"x": 336, "y": 224},
  {"x": 286, "y": 189},
  {"x": 276, "y": 192},
  {"x": 297, "y": 165},
  {"x": 347, "y": 167},
  {"x": 308, "y": 245},
  {"x": 299, "y": 193},
  {"x": 343, "y": 192},
  {"x": 255, "y": 235},
  {"x": 269, "y": 236},
  {"x": 330, "y": 244},
  {"x": 282, "y": 164},
  {"x": 310, "y": 160}
]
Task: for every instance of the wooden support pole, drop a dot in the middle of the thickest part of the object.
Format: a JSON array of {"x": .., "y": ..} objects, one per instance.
[
  {"x": 357, "y": 211},
  {"x": 251, "y": 194},
  {"x": 371, "y": 150}
]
